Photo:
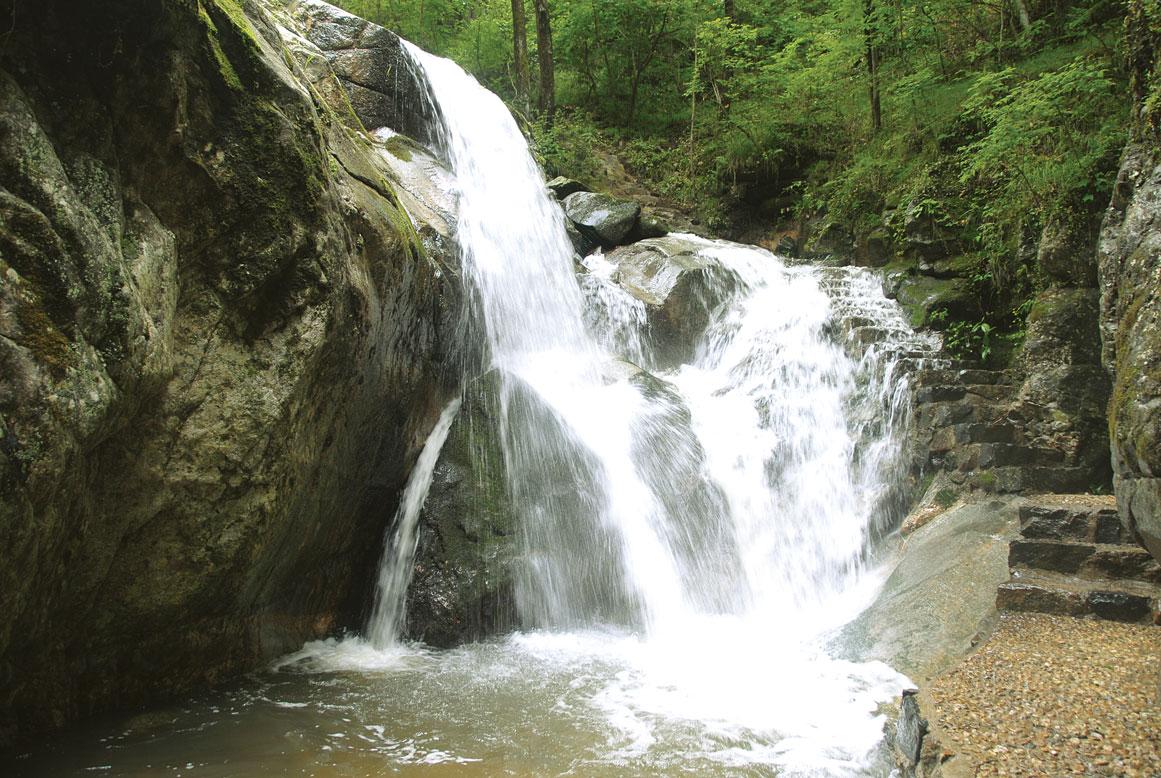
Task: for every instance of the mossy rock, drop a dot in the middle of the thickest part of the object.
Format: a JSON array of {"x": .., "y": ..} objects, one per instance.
[{"x": 921, "y": 296}]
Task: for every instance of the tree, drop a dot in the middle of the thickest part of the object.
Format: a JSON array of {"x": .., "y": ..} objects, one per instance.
[
  {"x": 546, "y": 101},
  {"x": 520, "y": 53},
  {"x": 872, "y": 65}
]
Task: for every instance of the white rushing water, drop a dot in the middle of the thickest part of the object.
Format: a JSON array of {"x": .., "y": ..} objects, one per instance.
[{"x": 691, "y": 538}]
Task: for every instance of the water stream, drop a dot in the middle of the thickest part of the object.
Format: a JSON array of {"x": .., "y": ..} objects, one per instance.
[{"x": 709, "y": 527}]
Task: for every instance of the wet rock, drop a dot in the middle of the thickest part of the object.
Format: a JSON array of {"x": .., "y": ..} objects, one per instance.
[
  {"x": 601, "y": 216},
  {"x": 679, "y": 285},
  {"x": 786, "y": 247},
  {"x": 209, "y": 393},
  {"x": 910, "y": 729},
  {"x": 648, "y": 226},
  {"x": 562, "y": 187},
  {"x": 378, "y": 82},
  {"x": 463, "y": 584},
  {"x": 583, "y": 243}
]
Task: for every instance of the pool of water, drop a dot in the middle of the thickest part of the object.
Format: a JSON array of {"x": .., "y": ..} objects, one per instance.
[{"x": 728, "y": 701}]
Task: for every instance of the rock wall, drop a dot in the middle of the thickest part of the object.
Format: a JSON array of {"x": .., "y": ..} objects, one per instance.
[
  {"x": 220, "y": 350},
  {"x": 1129, "y": 265},
  {"x": 1130, "y": 269}
]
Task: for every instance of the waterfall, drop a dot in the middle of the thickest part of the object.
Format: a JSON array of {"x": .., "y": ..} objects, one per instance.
[
  {"x": 693, "y": 531},
  {"x": 395, "y": 570}
]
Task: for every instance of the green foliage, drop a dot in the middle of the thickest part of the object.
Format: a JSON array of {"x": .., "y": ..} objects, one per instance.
[
  {"x": 566, "y": 149},
  {"x": 964, "y": 340}
]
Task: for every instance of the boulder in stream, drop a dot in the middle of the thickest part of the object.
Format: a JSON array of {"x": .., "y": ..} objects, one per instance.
[
  {"x": 601, "y": 216},
  {"x": 680, "y": 287}
]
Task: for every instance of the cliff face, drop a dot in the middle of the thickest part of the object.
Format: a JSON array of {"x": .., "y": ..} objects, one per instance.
[
  {"x": 1129, "y": 257},
  {"x": 220, "y": 349},
  {"x": 1130, "y": 265}
]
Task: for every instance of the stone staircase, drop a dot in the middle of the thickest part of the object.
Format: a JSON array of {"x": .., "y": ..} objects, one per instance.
[
  {"x": 977, "y": 430},
  {"x": 1073, "y": 558}
]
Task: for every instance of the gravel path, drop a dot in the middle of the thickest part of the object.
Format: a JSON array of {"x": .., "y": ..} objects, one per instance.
[{"x": 1054, "y": 696}]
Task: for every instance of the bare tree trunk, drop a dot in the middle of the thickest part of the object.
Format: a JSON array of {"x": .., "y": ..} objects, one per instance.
[
  {"x": 520, "y": 53},
  {"x": 730, "y": 11},
  {"x": 872, "y": 65},
  {"x": 1023, "y": 16},
  {"x": 693, "y": 83},
  {"x": 547, "y": 99}
]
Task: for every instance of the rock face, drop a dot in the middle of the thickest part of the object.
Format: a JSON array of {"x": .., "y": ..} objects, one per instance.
[
  {"x": 220, "y": 344},
  {"x": 373, "y": 74},
  {"x": 463, "y": 583},
  {"x": 1129, "y": 266}
]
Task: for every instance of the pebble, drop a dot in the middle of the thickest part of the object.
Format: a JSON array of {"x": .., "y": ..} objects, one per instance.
[{"x": 1055, "y": 695}]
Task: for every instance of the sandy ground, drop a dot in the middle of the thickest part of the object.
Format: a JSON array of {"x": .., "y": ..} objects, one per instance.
[{"x": 1054, "y": 696}]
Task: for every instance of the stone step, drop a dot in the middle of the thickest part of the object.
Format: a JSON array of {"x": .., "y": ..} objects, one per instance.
[
  {"x": 953, "y": 375},
  {"x": 973, "y": 410},
  {"x": 1059, "y": 556},
  {"x": 939, "y": 393},
  {"x": 868, "y": 335},
  {"x": 1003, "y": 454},
  {"x": 999, "y": 432},
  {"x": 1044, "y": 592},
  {"x": 971, "y": 457},
  {"x": 1092, "y": 561},
  {"x": 994, "y": 392},
  {"x": 948, "y": 437},
  {"x": 1035, "y": 478},
  {"x": 983, "y": 377},
  {"x": 1061, "y": 521}
]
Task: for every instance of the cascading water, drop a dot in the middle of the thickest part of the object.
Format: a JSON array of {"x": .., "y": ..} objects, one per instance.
[
  {"x": 395, "y": 570},
  {"x": 693, "y": 534},
  {"x": 736, "y": 490}
]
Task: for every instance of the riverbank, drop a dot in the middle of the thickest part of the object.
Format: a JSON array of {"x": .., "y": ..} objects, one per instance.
[{"x": 1052, "y": 695}]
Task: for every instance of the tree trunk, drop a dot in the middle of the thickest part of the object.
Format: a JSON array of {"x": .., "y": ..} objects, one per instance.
[
  {"x": 1023, "y": 16},
  {"x": 730, "y": 11},
  {"x": 520, "y": 54},
  {"x": 872, "y": 65},
  {"x": 547, "y": 99}
]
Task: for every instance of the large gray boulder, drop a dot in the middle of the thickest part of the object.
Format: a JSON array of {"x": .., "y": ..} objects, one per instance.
[
  {"x": 1129, "y": 266},
  {"x": 603, "y": 217},
  {"x": 219, "y": 353},
  {"x": 941, "y": 594},
  {"x": 680, "y": 286}
]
